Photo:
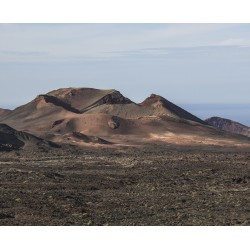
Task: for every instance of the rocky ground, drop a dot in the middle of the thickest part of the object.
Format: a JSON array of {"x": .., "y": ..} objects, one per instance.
[{"x": 154, "y": 185}]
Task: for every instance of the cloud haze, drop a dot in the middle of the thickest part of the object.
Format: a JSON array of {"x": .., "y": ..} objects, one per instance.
[
  {"x": 186, "y": 63},
  {"x": 56, "y": 42}
]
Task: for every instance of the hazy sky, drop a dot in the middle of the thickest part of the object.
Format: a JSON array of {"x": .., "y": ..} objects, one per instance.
[{"x": 185, "y": 63}]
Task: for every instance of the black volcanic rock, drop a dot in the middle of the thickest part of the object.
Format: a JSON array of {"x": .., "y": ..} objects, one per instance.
[
  {"x": 229, "y": 125},
  {"x": 55, "y": 123},
  {"x": 90, "y": 139},
  {"x": 11, "y": 139},
  {"x": 10, "y": 142},
  {"x": 115, "y": 98}
]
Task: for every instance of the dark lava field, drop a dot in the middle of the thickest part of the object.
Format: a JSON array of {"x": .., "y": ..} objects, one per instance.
[{"x": 153, "y": 185}]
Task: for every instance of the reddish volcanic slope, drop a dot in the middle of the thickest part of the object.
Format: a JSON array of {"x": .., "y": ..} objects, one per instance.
[{"x": 87, "y": 115}]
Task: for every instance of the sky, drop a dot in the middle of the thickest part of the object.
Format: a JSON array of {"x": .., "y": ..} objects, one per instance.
[{"x": 204, "y": 68}]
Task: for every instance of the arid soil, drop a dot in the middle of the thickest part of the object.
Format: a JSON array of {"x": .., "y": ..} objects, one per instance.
[{"x": 154, "y": 185}]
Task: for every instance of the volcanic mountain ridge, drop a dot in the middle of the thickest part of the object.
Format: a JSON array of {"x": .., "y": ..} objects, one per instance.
[{"x": 87, "y": 115}]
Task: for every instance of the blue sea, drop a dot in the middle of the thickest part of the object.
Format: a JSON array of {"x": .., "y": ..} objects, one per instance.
[{"x": 235, "y": 112}]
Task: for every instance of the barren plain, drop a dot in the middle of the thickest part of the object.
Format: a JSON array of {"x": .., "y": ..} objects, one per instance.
[{"x": 158, "y": 184}]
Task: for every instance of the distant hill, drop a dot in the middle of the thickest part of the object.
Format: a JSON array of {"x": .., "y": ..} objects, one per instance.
[{"x": 229, "y": 125}]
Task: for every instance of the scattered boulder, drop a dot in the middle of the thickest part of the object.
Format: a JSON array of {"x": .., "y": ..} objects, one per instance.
[{"x": 114, "y": 123}]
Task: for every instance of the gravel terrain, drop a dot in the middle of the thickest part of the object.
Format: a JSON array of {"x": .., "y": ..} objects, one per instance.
[{"x": 154, "y": 185}]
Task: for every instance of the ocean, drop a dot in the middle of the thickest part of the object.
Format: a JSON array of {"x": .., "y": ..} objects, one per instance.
[{"x": 235, "y": 112}]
